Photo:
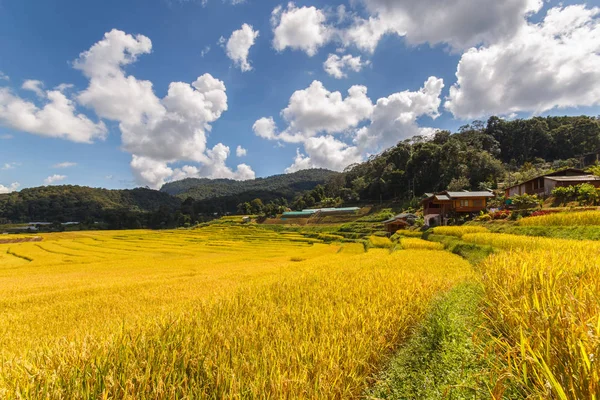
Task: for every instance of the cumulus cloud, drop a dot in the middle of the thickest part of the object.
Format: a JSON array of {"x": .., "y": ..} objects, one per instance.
[
  {"x": 337, "y": 66},
  {"x": 238, "y": 46},
  {"x": 240, "y": 151},
  {"x": 395, "y": 117},
  {"x": 54, "y": 178},
  {"x": 56, "y": 118},
  {"x": 302, "y": 28},
  {"x": 10, "y": 188},
  {"x": 315, "y": 116},
  {"x": 35, "y": 86},
  {"x": 4, "y": 77},
  {"x": 156, "y": 131},
  {"x": 66, "y": 164},
  {"x": 316, "y": 110},
  {"x": 456, "y": 22},
  {"x": 555, "y": 63},
  {"x": 265, "y": 128},
  {"x": 325, "y": 152}
]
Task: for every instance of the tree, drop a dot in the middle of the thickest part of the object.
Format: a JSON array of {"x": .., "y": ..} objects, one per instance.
[
  {"x": 458, "y": 184},
  {"x": 256, "y": 206}
]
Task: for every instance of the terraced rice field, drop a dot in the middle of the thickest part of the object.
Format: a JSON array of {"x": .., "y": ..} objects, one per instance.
[{"x": 217, "y": 312}]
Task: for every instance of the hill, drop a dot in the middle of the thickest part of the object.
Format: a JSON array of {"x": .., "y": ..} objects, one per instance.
[
  {"x": 482, "y": 155},
  {"x": 79, "y": 203},
  {"x": 286, "y": 185}
]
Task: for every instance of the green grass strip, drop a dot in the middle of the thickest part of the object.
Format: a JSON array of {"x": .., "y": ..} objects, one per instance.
[{"x": 441, "y": 360}]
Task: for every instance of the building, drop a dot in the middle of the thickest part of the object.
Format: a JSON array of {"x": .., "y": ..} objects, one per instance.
[
  {"x": 399, "y": 222},
  {"x": 438, "y": 207},
  {"x": 320, "y": 212},
  {"x": 544, "y": 184}
]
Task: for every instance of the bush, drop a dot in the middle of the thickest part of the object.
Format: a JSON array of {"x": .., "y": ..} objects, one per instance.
[
  {"x": 502, "y": 214},
  {"x": 585, "y": 193},
  {"x": 525, "y": 201}
]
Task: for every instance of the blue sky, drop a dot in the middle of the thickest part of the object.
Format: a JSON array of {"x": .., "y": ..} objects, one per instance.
[{"x": 517, "y": 58}]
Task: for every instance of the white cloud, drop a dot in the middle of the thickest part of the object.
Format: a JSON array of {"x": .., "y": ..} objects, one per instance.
[
  {"x": 238, "y": 46},
  {"x": 316, "y": 110},
  {"x": 337, "y": 66},
  {"x": 150, "y": 172},
  {"x": 57, "y": 118},
  {"x": 395, "y": 117},
  {"x": 457, "y": 23},
  {"x": 10, "y": 188},
  {"x": 315, "y": 116},
  {"x": 265, "y": 128},
  {"x": 302, "y": 28},
  {"x": 325, "y": 152},
  {"x": 4, "y": 77},
  {"x": 34, "y": 86},
  {"x": 109, "y": 177},
  {"x": 6, "y": 136},
  {"x": 11, "y": 165},
  {"x": 54, "y": 178},
  {"x": 64, "y": 86},
  {"x": 240, "y": 151},
  {"x": 66, "y": 164},
  {"x": 156, "y": 131},
  {"x": 205, "y": 51},
  {"x": 555, "y": 63}
]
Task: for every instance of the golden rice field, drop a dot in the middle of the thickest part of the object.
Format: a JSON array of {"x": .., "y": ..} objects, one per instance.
[
  {"x": 458, "y": 231},
  {"x": 544, "y": 311},
  {"x": 217, "y": 312},
  {"x": 582, "y": 218}
]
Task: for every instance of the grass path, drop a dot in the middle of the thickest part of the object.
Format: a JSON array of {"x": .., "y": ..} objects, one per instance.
[{"x": 441, "y": 360}]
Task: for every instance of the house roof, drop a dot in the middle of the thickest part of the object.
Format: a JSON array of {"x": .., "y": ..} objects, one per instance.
[
  {"x": 465, "y": 195},
  {"x": 554, "y": 174},
  {"x": 448, "y": 196},
  {"x": 400, "y": 217},
  {"x": 579, "y": 178}
]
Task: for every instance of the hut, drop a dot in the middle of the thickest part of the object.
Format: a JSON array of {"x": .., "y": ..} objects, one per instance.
[{"x": 399, "y": 222}]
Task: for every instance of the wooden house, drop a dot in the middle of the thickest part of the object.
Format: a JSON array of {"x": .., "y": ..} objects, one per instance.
[
  {"x": 437, "y": 207},
  {"x": 544, "y": 184},
  {"x": 399, "y": 222}
]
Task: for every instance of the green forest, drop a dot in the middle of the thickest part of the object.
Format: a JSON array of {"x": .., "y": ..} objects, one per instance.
[{"x": 481, "y": 155}]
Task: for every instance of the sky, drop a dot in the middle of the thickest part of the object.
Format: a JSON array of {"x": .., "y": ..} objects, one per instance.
[{"x": 129, "y": 93}]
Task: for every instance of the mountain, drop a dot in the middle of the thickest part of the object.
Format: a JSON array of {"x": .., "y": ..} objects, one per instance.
[
  {"x": 286, "y": 185},
  {"x": 79, "y": 203}
]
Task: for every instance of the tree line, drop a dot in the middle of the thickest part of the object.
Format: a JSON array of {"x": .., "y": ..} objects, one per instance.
[{"x": 480, "y": 156}]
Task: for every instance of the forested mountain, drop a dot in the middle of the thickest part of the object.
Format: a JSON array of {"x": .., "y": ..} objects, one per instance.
[
  {"x": 286, "y": 185},
  {"x": 479, "y": 156},
  {"x": 79, "y": 203}
]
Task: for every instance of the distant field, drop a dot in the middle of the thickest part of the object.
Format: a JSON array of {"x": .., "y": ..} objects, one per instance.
[{"x": 218, "y": 312}]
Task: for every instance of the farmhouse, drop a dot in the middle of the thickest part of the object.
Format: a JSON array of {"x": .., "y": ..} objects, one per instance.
[
  {"x": 400, "y": 221},
  {"x": 437, "y": 207},
  {"x": 544, "y": 184}
]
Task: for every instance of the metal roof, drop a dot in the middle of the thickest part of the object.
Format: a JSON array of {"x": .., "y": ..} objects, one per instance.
[
  {"x": 297, "y": 214},
  {"x": 550, "y": 174},
  {"x": 442, "y": 197},
  {"x": 401, "y": 216},
  {"x": 325, "y": 210},
  {"x": 462, "y": 195},
  {"x": 579, "y": 178}
]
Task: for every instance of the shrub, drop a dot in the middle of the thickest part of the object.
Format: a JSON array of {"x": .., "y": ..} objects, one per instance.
[{"x": 525, "y": 201}]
